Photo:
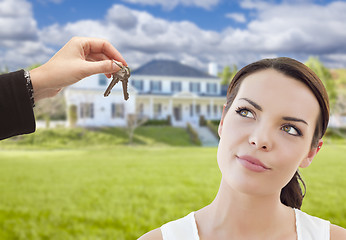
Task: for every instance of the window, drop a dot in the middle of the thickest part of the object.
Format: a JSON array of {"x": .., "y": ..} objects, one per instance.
[
  {"x": 211, "y": 88},
  {"x": 117, "y": 110},
  {"x": 215, "y": 110},
  {"x": 87, "y": 110},
  {"x": 195, "y": 87},
  {"x": 102, "y": 80},
  {"x": 157, "y": 110},
  {"x": 191, "y": 110},
  {"x": 198, "y": 109},
  {"x": 155, "y": 86},
  {"x": 138, "y": 84},
  {"x": 176, "y": 86},
  {"x": 208, "y": 110}
]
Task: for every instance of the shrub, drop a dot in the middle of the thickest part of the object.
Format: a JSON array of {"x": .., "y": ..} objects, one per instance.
[
  {"x": 193, "y": 135},
  {"x": 213, "y": 127},
  {"x": 158, "y": 122},
  {"x": 202, "y": 121}
]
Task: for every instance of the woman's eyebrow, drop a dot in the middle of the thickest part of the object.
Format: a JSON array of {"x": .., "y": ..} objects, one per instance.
[
  {"x": 258, "y": 107},
  {"x": 294, "y": 120}
]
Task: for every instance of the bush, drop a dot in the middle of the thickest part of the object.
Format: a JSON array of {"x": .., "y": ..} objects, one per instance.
[
  {"x": 158, "y": 122},
  {"x": 213, "y": 127},
  {"x": 202, "y": 121},
  {"x": 193, "y": 135},
  {"x": 336, "y": 135},
  {"x": 214, "y": 122}
]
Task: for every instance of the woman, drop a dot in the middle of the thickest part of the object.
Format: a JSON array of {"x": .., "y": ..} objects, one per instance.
[
  {"x": 276, "y": 114},
  {"x": 79, "y": 58}
]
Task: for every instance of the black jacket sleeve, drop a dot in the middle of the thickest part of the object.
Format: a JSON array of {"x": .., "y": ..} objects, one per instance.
[{"x": 16, "y": 112}]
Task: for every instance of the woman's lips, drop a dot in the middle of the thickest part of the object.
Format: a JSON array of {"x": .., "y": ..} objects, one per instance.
[{"x": 252, "y": 163}]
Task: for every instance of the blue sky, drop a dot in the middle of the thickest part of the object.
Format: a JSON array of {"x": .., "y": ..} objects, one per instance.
[
  {"x": 211, "y": 18},
  {"x": 194, "y": 32}
]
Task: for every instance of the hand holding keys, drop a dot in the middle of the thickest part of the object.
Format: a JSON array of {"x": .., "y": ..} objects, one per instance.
[{"x": 122, "y": 75}]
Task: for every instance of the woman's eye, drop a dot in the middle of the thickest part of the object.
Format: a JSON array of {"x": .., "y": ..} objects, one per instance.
[
  {"x": 245, "y": 113},
  {"x": 291, "y": 130}
]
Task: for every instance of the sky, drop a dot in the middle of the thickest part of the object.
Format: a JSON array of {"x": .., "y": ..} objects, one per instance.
[{"x": 193, "y": 32}]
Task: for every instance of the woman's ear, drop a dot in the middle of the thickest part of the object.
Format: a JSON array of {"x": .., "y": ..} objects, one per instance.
[
  {"x": 307, "y": 161},
  {"x": 221, "y": 121}
]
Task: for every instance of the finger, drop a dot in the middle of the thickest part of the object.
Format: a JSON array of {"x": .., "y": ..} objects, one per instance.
[
  {"x": 97, "y": 57},
  {"x": 108, "y": 75},
  {"x": 105, "y": 66},
  {"x": 96, "y": 46}
]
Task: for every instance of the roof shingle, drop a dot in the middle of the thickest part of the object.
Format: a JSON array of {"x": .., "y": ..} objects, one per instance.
[{"x": 169, "y": 68}]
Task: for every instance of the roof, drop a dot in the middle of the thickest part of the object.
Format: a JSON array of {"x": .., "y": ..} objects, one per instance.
[{"x": 170, "y": 68}]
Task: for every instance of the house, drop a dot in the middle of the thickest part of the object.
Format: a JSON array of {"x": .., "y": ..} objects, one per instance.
[{"x": 160, "y": 89}]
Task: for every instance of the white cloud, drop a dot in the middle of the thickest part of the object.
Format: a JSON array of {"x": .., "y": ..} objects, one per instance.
[
  {"x": 16, "y": 22},
  {"x": 283, "y": 29},
  {"x": 238, "y": 17},
  {"x": 140, "y": 36},
  {"x": 122, "y": 16},
  {"x": 171, "y": 4},
  {"x": 19, "y": 36}
]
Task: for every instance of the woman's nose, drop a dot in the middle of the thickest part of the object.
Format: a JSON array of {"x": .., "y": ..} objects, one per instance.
[{"x": 260, "y": 139}]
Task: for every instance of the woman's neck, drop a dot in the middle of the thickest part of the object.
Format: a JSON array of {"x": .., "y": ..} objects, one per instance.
[{"x": 238, "y": 214}]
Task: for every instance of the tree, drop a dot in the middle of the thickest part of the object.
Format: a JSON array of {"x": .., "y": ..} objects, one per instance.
[
  {"x": 73, "y": 116},
  {"x": 4, "y": 70},
  {"x": 31, "y": 67},
  {"x": 49, "y": 108},
  {"x": 228, "y": 74},
  {"x": 326, "y": 77},
  {"x": 133, "y": 122}
]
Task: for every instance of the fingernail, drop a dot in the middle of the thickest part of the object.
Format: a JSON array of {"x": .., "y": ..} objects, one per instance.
[{"x": 119, "y": 64}]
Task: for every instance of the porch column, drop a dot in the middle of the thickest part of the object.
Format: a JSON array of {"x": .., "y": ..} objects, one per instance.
[
  {"x": 211, "y": 104},
  {"x": 151, "y": 108},
  {"x": 170, "y": 110},
  {"x": 194, "y": 116}
]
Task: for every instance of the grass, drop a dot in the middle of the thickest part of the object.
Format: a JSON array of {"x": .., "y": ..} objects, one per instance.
[
  {"x": 115, "y": 193},
  {"x": 123, "y": 192},
  {"x": 65, "y": 138},
  {"x": 326, "y": 184}
]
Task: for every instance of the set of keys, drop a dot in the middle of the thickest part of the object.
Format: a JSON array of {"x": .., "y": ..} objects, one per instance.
[{"x": 122, "y": 75}]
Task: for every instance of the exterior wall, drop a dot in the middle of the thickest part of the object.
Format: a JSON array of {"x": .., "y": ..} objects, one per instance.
[
  {"x": 92, "y": 93},
  {"x": 182, "y": 107},
  {"x": 185, "y": 83}
]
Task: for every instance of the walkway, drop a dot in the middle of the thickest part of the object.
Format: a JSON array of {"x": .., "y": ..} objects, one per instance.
[{"x": 207, "y": 138}]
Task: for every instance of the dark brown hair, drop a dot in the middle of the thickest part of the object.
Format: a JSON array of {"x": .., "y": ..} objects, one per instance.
[{"x": 291, "y": 195}]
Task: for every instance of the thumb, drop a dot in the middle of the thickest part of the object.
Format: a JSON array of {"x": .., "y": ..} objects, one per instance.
[{"x": 105, "y": 66}]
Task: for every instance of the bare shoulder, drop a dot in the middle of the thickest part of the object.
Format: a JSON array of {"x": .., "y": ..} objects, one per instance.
[
  {"x": 337, "y": 232},
  {"x": 152, "y": 235}
]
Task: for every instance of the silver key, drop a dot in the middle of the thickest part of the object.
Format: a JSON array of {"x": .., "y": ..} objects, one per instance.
[
  {"x": 122, "y": 75},
  {"x": 126, "y": 94}
]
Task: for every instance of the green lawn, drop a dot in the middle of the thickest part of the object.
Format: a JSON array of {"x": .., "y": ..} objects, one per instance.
[
  {"x": 76, "y": 138},
  {"x": 122, "y": 192}
]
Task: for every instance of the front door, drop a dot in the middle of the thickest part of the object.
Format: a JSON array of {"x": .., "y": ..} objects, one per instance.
[{"x": 177, "y": 113}]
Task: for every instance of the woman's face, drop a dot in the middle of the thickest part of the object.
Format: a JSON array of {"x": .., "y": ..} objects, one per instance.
[{"x": 266, "y": 133}]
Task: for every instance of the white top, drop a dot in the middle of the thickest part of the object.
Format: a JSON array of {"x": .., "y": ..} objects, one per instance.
[{"x": 307, "y": 227}]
